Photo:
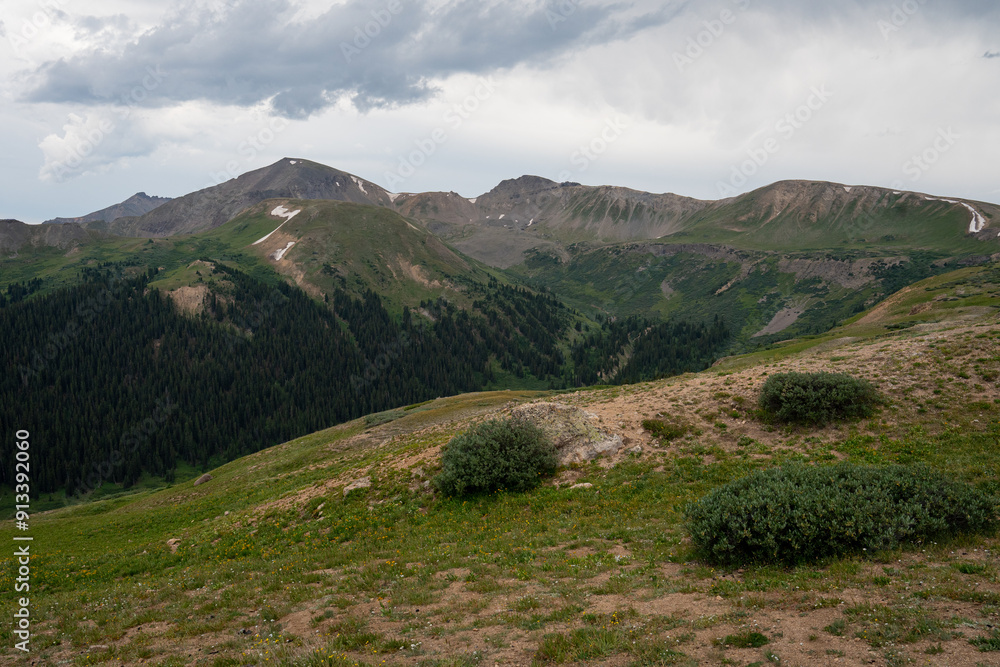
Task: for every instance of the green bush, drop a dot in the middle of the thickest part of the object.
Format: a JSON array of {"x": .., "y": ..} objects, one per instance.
[
  {"x": 511, "y": 454},
  {"x": 665, "y": 430},
  {"x": 817, "y": 398},
  {"x": 746, "y": 639},
  {"x": 802, "y": 513}
]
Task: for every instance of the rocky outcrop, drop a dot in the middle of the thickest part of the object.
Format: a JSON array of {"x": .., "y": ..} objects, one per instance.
[
  {"x": 574, "y": 432},
  {"x": 363, "y": 483}
]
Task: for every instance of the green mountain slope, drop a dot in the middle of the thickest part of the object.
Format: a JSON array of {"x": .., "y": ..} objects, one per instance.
[
  {"x": 762, "y": 296},
  {"x": 335, "y": 244},
  {"x": 805, "y": 215},
  {"x": 354, "y": 247}
]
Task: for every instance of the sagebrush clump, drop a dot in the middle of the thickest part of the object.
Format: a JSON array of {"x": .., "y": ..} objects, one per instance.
[
  {"x": 817, "y": 398},
  {"x": 665, "y": 430},
  {"x": 798, "y": 513},
  {"x": 511, "y": 454}
]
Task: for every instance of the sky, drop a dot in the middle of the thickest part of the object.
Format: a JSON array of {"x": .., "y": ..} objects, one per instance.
[{"x": 708, "y": 99}]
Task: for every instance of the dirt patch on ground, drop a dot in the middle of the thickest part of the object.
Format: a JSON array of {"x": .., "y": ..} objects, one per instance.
[
  {"x": 189, "y": 299},
  {"x": 416, "y": 273}
]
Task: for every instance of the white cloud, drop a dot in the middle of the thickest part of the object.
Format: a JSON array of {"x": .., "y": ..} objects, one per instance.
[{"x": 93, "y": 143}]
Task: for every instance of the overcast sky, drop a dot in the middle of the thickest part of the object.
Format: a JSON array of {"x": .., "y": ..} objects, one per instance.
[{"x": 109, "y": 97}]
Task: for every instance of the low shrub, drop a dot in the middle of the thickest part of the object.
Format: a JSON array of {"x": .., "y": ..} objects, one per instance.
[
  {"x": 817, "y": 398},
  {"x": 987, "y": 643},
  {"x": 746, "y": 639},
  {"x": 511, "y": 454},
  {"x": 665, "y": 430},
  {"x": 799, "y": 513}
]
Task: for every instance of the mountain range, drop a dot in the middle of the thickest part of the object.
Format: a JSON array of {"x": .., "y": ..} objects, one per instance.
[
  {"x": 298, "y": 295},
  {"x": 533, "y": 212},
  {"x": 794, "y": 255}
]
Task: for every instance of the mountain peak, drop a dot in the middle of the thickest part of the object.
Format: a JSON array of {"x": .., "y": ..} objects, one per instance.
[
  {"x": 288, "y": 178},
  {"x": 522, "y": 185},
  {"x": 138, "y": 204}
]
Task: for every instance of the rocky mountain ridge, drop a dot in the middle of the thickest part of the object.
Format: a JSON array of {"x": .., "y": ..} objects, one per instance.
[{"x": 138, "y": 204}]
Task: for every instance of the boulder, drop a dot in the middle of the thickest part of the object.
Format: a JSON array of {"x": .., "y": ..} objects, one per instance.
[
  {"x": 573, "y": 431},
  {"x": 362, "y": 483},
  {"x": 204, "y": 478}
]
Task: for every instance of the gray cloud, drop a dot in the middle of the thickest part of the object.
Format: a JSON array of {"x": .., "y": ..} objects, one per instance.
[
  {"x": 246, "y": 53},
  {"x": 991, "y": 54}
]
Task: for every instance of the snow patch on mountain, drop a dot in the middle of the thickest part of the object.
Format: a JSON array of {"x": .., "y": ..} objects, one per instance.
[
  {"x": 278, "y": 254},
  {"x": 279, "y": 212},
  {"x": 978, "y": 222}
]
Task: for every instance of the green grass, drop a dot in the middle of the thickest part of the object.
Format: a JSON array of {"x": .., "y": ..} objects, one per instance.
[
  {"x": 746, "y": 640},
  {"x": 987, "y": 643}
]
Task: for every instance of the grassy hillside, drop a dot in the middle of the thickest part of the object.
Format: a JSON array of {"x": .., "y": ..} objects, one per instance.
[
  {"x": 273, "y": 562},
  {"x": 763, "y": 296},
  {"x": 354, "y": 247},
  {"x": 336, "y": 245},
  {"x": 793, "y": 216}
]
